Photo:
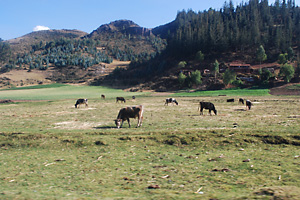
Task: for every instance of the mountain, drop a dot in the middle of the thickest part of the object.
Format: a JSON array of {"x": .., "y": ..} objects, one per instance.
[
  {"x": 74, "y": 56},
  {"x": 23, "y": 43},
  {"x": 120, "y": 27}
]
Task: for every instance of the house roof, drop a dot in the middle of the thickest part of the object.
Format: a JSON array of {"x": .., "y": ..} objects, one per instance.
[{"x": 239, "y": 65}]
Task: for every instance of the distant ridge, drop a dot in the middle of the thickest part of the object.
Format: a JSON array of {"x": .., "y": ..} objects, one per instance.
[
  {"x": 24, "y": 42},
  {"x": 49, "y": 35},
  {"x": 120, "y": 27}
]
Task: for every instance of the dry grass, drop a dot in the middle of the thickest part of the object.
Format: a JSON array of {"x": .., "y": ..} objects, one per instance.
[{"x": 51, "y": 150}]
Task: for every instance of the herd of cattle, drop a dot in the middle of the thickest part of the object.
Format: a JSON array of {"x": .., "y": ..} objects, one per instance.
[{"x": 137, "y": 111}]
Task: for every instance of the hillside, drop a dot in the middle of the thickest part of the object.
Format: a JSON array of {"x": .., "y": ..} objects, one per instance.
[
  {"x": 73, "y": 56},
  {"x": 229, "y": 35},
  {"x": 24, "y": 43},
  {"x": 125, "y": 35},
  {"x": 70, "y": 74},
  {"x": 152, "y": 56}
]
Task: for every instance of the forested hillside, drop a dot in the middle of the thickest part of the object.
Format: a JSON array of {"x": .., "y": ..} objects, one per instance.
[
  {"x": 229, "y": 34},
  {"x": 249, "y": 25}
]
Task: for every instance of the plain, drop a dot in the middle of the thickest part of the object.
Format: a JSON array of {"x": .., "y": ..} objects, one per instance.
[{"x": 51, "y": 150}]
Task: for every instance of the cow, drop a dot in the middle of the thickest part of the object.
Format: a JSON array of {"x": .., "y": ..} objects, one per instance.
[
  {"x": 241, "y": 101},
  {"x": 120, "y": 99},
  {"x": 81, "y": 101},
  {"x": 102, "y": 96},
  {"x": 171, "y": 100},
  {"x": 248, "y": 104},
  {"x": 230, "y": 100},
  {"x": 133, "y": 97},
  {"x": 208, "y": 106},
  {"x": 130, "y": 112}
]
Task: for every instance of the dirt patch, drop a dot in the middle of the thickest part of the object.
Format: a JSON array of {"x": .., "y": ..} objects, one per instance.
[
  {"x": 71, "y": 125},
  {"x": 283, "y": 193},
  {"x": 284, "y": 90},
  {"x": 23, "y": 77}
]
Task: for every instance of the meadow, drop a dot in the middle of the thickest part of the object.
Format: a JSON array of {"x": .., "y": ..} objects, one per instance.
[{"x": 50, "y": 150}]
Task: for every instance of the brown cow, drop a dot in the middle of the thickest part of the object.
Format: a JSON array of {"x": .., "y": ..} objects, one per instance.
[
  {"x": 81, "y": 101},
  {"x": 130, "y": 112},
  {"x": 120, "y": 99}
]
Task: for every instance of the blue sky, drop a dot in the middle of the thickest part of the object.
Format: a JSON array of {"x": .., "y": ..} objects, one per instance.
[{"x": 19, "y": 17}]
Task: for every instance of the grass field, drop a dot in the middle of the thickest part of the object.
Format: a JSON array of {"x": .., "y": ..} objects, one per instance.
[
  {"x": 60, "y": 91},
  {"x": 228, "y": 92},
  {"x": 50, "y": 150}
]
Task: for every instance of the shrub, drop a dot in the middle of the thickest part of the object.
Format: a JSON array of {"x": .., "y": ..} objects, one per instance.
[
  {"x": 287, "y": 71},
  {"x": 181, "y": 79}
]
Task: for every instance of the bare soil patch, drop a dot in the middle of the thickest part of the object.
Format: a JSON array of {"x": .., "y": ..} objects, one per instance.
[
  {"x": 285, "y": 192},
  {"x": 23, "y": 77},
  {"x": 283, "y": 90}
]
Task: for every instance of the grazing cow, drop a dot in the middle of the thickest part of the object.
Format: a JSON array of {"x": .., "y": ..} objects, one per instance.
[
  {"x": 120, "y": 99},
  {"x": 130, "y": 112},
  {"x": 171, "y": 100},
  {"x": 248, "y": 104},
  {"x": 102, "y": 96},
  {"x": 133, "y": 97},
  {"x": 230, "y": 100},
  {"x": 241, "y": 101},
  {"x": 208, "y": 106},
  {"x": 81, "y": 101}
]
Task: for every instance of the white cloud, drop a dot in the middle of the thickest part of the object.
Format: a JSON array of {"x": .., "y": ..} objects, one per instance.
[{"x": 41, "y": 28}]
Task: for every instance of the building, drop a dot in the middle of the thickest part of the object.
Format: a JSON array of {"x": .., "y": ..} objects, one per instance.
[{"x": 241, "y": 68}]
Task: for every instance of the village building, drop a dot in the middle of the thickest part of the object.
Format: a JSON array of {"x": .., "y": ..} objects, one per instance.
[{"x": 241, "y": 68}]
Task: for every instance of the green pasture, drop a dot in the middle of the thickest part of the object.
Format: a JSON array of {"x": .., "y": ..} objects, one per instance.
[
  {"x": 228, "y": 92},
  {"x": 51, "y": 150},
  {"x": 61, "y": 91}
]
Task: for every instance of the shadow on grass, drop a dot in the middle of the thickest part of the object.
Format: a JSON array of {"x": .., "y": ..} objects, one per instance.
[
  {"x": 105, "y": 127},
  {"x": 239, "y": 110}
]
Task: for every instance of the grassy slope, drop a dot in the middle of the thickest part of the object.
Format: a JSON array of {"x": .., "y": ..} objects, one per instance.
[{"x": 51, "y": 150}]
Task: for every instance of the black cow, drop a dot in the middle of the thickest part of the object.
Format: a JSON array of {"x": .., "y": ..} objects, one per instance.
[
  {"x": 230, "y": 100},
  {"x": 208, "y": 106},
  {"x": 241, "y": 101},
  {"x": 171, "y": 100},
  {"x": 102, "y": 96},
  {"x": 81, "y": 101},
  {"x": 248, "y": 104},
  {"x": 120, "y": 99},
  {"x": 130, "y": 112}
]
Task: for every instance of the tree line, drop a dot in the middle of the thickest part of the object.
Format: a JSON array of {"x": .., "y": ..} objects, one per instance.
[{"x": 248, "y": 25}]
